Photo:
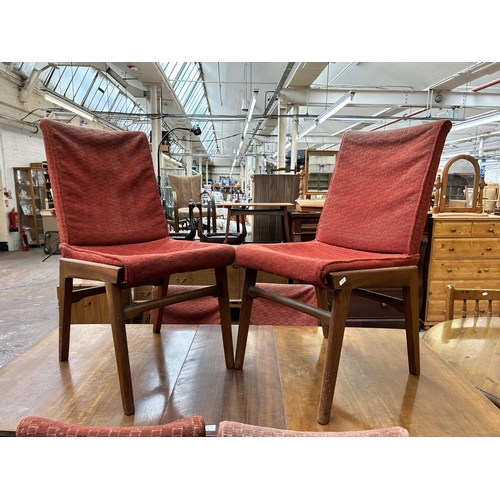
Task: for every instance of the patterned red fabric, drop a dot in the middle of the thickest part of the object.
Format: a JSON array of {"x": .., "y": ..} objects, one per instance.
[
  {"x": 265, "y": 312},
  {"x": 381, "y": 188},
  {"x": 202, "y": 311},
  {"x": 149, "y": 260},
  {"x": 108, "y": 207},
  {"x": 235, "y": 429},
  {"x": 374, "y": 212},
  {"x": 104, "y": 185},
  {"x": 205, "y": 310},
  {"x": 44, "y": 427}
]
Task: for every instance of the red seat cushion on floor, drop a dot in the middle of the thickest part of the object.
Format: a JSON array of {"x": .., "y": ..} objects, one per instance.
[{"x": 205, "y": 310}]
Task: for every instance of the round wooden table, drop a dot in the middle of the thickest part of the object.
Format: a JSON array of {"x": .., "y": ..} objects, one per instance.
[{"x": 472, "y": 347}]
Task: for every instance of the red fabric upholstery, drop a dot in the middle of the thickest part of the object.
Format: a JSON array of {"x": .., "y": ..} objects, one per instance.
[
  {"x": 149, "y": 260},
  {"x": 45, "y": 427},
  {"x": 381, "y": 188},
  {"x": 202, "y": 311},
  {"x": 265, "y": 312},
  {"x": 235, "y": 429},
  {"x": 374, "y": 212},
  {"x": 99, "y": 217},
  {"x": 205, "y": 310},
  {"x": 124, "y": 226}
]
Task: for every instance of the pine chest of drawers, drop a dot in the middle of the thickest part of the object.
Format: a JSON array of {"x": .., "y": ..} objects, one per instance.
[{"x": 465, "y": 252}]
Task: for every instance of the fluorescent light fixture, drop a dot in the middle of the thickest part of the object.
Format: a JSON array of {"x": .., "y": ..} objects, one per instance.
[
  {"x": 70, "y": 107},
  {"x": 343, "y": 101},
  {"x": 476, "y": 121},
  {"x": 245, "y": 130}
]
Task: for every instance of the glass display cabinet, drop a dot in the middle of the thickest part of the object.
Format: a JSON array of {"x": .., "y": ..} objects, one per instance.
[{"x": 31, "y": 194}]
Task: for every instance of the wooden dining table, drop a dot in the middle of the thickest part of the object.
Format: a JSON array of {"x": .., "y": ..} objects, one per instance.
[
  {"x": 181, "y": 372},
  {"x": 472, "y": 347}
]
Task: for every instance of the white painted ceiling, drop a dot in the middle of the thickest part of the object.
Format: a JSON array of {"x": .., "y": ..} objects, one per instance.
[{"x": 387, "y": 96}]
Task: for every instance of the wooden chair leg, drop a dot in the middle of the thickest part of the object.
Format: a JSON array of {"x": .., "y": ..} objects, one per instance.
[
  {"x": 118, "y": 329},
  {"x": 322, "y": 301},
  {"x": 245, "y": 313},
  {"x": 225, "y": 316},
  {"x": 340, "y": 306},
  {"x": 158, "y": 313},
  {"x": 410, "y": 297},
  {"x": 65, "y": 305}
]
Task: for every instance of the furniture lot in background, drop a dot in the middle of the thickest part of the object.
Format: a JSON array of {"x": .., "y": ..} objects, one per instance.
[
  {"x": 186, "y": 188},
  {"x": 377, "y": 247},
  {"x": 465, "y": 253},
  {"x": 121, "y": 239}
]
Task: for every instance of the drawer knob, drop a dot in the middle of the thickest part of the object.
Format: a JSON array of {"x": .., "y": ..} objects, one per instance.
[
  {"x": 450, "y": 270},
  {"x": 486, "y": 270},
  {"x": 453, "y": 230},
  {"x": 384, "y": 305},
  {"x": 452, "y": 249},
  {"x": 180, "y": 280},
  {"x": 488, "y": 248},
  {"x": 491, "y": 229}
]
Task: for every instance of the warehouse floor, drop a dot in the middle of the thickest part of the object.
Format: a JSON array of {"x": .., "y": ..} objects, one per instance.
[{"x": 28, "y": 302}]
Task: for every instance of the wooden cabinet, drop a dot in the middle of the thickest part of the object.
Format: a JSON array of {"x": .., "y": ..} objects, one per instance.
[
  {"x": 31, "y": 194},
  {"x": 465, "y": 252}
]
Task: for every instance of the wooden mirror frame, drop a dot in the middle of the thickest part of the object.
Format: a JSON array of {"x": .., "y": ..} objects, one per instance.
[
  {"x": 442, "y": 187},
  {"x": 306, "y": 190}
]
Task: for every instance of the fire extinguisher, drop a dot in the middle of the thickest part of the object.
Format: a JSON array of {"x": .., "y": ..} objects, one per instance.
[
  {"x": 14, "y": 221},
  {"x": 24, "y": 240}
]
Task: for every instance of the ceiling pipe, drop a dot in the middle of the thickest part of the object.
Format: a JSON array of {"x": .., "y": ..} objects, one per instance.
[
  {"x": 485, "y": 85},
  {"x": 8, "y": 120}
]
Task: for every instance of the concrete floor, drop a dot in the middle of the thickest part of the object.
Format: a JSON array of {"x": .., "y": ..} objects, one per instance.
[{"x": 28, "y": 302}]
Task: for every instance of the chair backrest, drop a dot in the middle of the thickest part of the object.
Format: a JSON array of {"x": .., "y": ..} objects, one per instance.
[
  {"x": 381, "y": 187},
  {"x": 186, "y": 187},
  {"x": 475, "y": 302},
  {"x": 45, "y": 427},
  {"x": 104, "y": 185},
  {"x": 237, "y": 429}
]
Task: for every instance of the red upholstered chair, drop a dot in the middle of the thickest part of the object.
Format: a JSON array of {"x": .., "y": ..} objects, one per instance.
[
  {"x": 46, "y": 427},
  {"x": 368, "y": 235},
  {"x": 235, "y": 429},
  {"x": 205, "y": 310},
  {"x": 113, "y": 230}
]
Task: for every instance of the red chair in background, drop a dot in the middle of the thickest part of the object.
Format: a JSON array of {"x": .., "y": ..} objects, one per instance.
[
  {"x": 368, "y": 236},
  {"x": 112, "y": 229},
  {"x": 46, "y": 427}
]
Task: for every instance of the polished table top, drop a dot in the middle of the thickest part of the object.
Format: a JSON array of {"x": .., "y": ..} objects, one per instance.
[
  {"x": 472, "y": 347},
  {"x": 181, "y": 372}
]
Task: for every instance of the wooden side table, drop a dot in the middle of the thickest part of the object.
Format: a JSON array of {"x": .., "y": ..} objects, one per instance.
[{"x": 242, "y": 210}]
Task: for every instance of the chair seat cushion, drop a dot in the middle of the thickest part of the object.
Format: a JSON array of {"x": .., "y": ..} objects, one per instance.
[
  {"x": 311, "y": 261},
  {"x": 147, "y": 261}
]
